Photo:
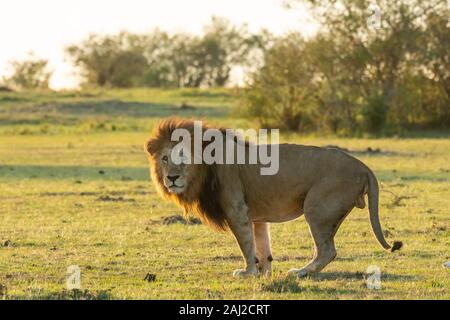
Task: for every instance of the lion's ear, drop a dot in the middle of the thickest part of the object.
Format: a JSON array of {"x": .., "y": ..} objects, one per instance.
[{"x": 151, "y": 147}]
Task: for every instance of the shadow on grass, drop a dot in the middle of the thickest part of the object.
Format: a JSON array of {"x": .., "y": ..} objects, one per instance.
[
  {"x": 90, "y": 173},
  {"x": 426, "y": 134},
  {"x": 5, "y": 121},
  {"x": 204, "y": 94},
  {"x": 77, "y": 173},
  {"x": 341, "y": 275},
  {"x": 63, "y": 295},
  {"x": 282, "y": 285},
  {"x": 432, "y": 176},
  {"x": 291, "y": 284},
  {"x": 124, "y": 109},
  {"x": 11, "y": 98}
]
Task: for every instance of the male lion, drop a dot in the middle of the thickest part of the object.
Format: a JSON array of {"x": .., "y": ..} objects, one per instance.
[{"x": 323, "y": 184}]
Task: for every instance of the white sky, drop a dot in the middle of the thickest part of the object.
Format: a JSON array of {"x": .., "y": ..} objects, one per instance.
[{"x": 47, "y": 26}]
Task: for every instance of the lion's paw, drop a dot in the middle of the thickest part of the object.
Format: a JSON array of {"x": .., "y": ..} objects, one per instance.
[
  {"x": 300, "y": 273},
  {"x": 243, "y": 273},
  {"x": 265, "y": 270}
]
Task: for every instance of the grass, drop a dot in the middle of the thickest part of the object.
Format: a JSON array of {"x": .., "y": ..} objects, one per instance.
[{"x": 75, "y": 194}]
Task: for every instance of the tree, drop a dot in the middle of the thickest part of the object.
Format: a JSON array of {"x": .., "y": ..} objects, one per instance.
[
  {"x": 157, "y": 47},
  {"x": 207, "y": 60},
  {"x": 224, "y": 47},
  {"x": 116, "y": 61},
  {"x": 435, "y": 54},
  {"x": 158, "y": 59},
  {"x": 280, "y": 93},
  {"x": 369, "y": 71},
  {"x": 29, "y": 74}
]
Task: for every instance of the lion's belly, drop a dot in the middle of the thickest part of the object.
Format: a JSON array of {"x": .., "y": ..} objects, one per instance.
[
  {"x": 277, "y": 211},
  {"x": 277, "y": 217}
]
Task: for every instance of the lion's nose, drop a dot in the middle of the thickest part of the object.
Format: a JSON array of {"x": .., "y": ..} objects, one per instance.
[{"x": 173, "y": 178}]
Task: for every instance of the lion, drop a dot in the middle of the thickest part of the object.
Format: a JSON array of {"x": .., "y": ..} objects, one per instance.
[{"x": 323, "y": 184}]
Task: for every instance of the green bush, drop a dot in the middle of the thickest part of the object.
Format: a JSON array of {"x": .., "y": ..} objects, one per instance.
[
  {"x": 352, "y": 78},
  {"x": 28, "y": 74}
]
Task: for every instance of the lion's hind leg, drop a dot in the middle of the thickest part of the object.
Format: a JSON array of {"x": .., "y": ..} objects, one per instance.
[
  {"x": 324, "y": 251},
  {"x": 263, "y": 248},
  {"x": 324, "y": 215}
]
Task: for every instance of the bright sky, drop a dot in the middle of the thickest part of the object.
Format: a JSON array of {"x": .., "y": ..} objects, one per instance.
[{"x": 47, "y": 26}]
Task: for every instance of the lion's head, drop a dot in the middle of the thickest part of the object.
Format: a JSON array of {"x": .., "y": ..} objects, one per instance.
[
  {"x": 176, "y": 177},
  {"x": 194, "y": 187}
]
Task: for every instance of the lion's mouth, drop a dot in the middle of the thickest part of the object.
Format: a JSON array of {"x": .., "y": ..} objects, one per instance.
[{"x": 174, "y": 186}]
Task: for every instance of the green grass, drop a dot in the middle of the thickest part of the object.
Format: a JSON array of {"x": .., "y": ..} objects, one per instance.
[
  {"x": 75, "y": 194},
  {"x": 36, "y": 113}
]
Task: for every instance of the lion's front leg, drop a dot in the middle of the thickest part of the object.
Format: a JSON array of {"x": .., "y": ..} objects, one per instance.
[
  {"x": 263, "y": 250},
  {"x": 242, "y": 229}
]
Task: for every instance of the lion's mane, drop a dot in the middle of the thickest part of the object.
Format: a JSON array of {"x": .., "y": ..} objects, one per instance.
[{"x": 201, "y": 197}]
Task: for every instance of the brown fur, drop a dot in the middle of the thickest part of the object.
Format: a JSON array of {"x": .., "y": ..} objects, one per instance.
[{"x": 323, "y": 184}]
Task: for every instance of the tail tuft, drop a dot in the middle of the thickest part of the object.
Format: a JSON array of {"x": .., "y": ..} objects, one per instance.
[{"x": 397, "y": 245}]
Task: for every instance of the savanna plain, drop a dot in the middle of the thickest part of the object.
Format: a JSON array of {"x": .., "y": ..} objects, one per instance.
[{"x": 75, "y": 190}]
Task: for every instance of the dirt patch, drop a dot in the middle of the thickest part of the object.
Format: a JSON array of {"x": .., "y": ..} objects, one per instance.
[
  {"x": 174, "y": 219},
  {"x": 108, "y": 198},
  {"x": 150, "y": 277},
  {"x": 66, "y": 194},
  {"x": 397, "y": 201},
  {"x": 288, "y": 258},
  {"x": 78, "y": 295},
  {"x": 186, "y": 106},
  {"x": 91, "y": 193},
  {"x": 7, "y": 243},
  {"x": 121, "y": 193},
  {"x": 180, "y": 219},
  {"x": 227, "y": 258},
  {"x": 367, "y": 151}
]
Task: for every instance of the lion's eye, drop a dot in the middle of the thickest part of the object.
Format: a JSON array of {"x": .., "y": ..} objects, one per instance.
[{"x": 165, "y": 159}]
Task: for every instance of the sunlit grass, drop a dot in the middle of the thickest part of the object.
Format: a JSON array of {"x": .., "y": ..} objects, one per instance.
[{"x": 84, "y": 197}]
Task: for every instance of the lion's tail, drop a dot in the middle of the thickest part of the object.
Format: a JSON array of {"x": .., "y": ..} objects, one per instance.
[{"x": 373, "y": 196}]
